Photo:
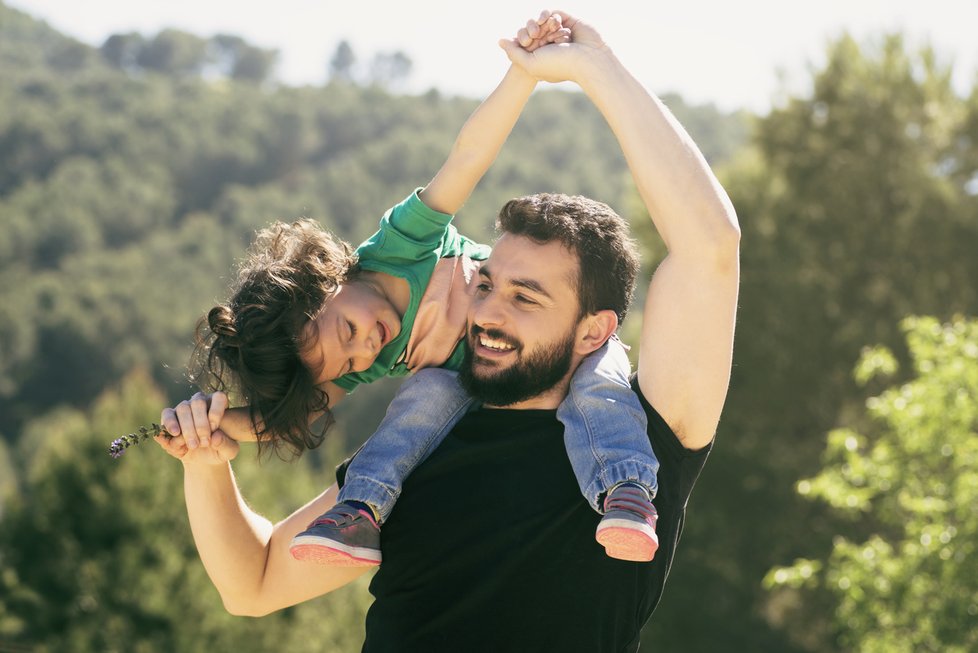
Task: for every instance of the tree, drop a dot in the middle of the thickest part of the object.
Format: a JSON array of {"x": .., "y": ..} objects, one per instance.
[
  {"x": 342, "y": 62},
  {"x": 122, "y": 50},
  {"x": 909, "y": 476},
  {"x": 390, "y": 69},
  {"x": 235, "y": 58},
  {"x": 175, "y": 53},
  {"x": 254, "y": 64}
]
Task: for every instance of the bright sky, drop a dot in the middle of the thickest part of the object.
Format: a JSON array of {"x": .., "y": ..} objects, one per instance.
[{"x": 735, "y": 54}]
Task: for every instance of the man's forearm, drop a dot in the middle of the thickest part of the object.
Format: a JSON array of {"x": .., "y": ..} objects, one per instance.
[
  {"x": 690, "y": 209},
  {"x": 231, "y": 538}
]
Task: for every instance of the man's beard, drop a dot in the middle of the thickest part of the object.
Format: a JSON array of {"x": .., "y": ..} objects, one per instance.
[{"x": 526, "y": 378}]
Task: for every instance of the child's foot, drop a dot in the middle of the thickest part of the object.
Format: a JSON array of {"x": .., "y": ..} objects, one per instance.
[
  {"x": 627, "y": 530},
  {"x": 343, "y": 536}
]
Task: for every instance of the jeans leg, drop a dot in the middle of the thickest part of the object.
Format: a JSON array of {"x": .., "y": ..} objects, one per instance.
[
  {"x": 605, "y": 427},
  {"x": 427, "y": 405}
]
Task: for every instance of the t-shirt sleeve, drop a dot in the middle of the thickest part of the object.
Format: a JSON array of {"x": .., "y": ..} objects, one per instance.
[{"x": 409, "y": 231}]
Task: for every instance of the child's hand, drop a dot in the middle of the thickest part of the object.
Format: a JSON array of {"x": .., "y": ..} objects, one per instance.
[
  {"x": 195, "y": 427},
  {"x": 542, "y": 31},
  {"x": 557, "y": 47}
]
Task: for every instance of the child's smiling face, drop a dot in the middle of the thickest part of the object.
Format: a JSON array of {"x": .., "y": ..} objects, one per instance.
[{"x": 351, "y": 329}]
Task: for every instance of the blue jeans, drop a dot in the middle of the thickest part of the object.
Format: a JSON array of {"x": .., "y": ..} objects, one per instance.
[{"x": 604, "y": 432}]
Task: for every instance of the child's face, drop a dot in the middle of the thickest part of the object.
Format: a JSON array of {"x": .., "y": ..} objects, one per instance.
[{"x": 350, "y": 331}]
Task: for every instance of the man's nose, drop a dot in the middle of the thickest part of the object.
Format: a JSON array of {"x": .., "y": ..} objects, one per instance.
[{"x": 487, "y": 311}]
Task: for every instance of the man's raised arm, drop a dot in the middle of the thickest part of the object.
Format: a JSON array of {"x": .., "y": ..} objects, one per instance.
[{"x": 687, "y": 333}]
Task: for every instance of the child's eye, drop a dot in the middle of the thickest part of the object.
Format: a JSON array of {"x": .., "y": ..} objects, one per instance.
[{"x": 353, "y": 329}]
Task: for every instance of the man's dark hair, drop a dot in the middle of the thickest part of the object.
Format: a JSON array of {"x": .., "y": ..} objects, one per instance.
[
  {"x": 607, "y": 255},
  {"x": 251, "y": 345}
]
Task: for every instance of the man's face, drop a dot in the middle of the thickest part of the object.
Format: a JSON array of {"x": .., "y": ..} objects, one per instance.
[{"x": 522, "y": 325}]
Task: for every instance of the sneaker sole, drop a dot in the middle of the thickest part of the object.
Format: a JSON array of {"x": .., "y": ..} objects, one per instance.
[
  {"x": 624, "y": 543},
  {"x": 310, "y": 549}
]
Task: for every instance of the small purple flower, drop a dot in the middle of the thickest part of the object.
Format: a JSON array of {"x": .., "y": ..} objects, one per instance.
[{"x": 118, "y": 446}]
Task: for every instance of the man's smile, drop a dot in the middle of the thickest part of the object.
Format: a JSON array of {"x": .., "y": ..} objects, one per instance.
[
  {"x": 495, "y": 345},
  {"x": 492, "y": 346}
]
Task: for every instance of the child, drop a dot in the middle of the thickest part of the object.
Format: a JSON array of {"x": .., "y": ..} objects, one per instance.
[{"x": 398, "y": 306}]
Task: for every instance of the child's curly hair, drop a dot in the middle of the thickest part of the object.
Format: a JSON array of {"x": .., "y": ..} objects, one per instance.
[{"x": 251, "y": 344}]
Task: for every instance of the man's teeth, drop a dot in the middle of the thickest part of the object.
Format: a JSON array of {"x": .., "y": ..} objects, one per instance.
[{"x": 497, "y": 345}]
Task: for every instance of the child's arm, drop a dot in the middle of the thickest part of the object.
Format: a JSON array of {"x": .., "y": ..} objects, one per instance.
[
  {"x": 198, "y": 417},
  {"x": 483, "y": 134}
]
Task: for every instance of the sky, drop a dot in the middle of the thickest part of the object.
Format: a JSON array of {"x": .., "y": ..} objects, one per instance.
[{"x": 745, "y": 54}]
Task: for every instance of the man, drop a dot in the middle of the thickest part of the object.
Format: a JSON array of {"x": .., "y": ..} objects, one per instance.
[{"x": 467, "y": 566}]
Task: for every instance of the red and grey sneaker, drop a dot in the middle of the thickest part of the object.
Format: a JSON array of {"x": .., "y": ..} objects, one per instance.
[
  {"x": 627, "y": 530},
  {"x": 344, "y": 536}
]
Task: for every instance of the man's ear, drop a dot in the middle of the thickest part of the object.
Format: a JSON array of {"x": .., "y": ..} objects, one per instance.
[{"x": 594, "y": 331}]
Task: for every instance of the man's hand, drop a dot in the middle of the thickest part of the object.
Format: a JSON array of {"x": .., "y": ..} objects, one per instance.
[
  {"x": 554, "y": 47},
  {"x": 195, "y": 425}
]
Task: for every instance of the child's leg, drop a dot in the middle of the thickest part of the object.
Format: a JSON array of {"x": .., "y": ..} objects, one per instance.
[
  {"x": 605, "y": 427},
  {"x": 605, "y": 433},
  {"x": 425, "y": 408}
]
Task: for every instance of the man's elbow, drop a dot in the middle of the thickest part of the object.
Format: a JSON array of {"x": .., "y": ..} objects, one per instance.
[{"x": 723, "y": 245}]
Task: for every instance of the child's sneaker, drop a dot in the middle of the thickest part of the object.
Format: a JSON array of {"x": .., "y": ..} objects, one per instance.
[
  {"x": 627, "y": 530},
  {"x": 343, "y": 536}
]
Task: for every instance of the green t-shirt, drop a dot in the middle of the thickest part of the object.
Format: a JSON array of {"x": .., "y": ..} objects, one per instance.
[{"x": 410, "y": 241}]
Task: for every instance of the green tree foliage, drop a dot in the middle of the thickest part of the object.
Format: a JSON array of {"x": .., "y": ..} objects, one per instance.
[
  {"x": 8, "y": 475},
  {"x": 174, "y": 52},
  {"x": 96, "y": 554},
  {"x": 235, "y": 58},
  {"x": 909, "y": 475},
  {"x": 856, "y": 211},
  {"x": 122, "y": 50},
  {"x": 28, "y": 43}
]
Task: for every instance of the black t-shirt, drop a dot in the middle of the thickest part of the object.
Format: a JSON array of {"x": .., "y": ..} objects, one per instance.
[{"x": 491, "y": 546}]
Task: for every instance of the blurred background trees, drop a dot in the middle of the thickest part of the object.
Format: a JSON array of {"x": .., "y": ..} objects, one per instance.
[
  {"x": 133, "y": 175},
  {"x": 906, "y": 477}
]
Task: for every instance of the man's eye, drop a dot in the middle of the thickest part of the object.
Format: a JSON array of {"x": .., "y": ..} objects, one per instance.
[
  {"x": 482, "y": 287},
  {"x": 522, "y": 299}
]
